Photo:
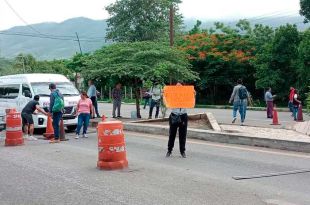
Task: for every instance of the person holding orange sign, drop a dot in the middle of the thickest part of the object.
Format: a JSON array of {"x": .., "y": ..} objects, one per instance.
[{"x": 178, "y": 119}]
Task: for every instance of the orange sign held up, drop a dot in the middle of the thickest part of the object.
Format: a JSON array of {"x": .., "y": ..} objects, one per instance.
[{"x": 179, "y": 96}]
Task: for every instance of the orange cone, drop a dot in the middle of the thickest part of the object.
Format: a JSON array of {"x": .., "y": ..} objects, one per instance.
[
  {"x": 275, "y": 119},
  {"x": 62, "y": 135},
  {"x": 300, "y": 117},
  {"x": 49, "y": 133}
]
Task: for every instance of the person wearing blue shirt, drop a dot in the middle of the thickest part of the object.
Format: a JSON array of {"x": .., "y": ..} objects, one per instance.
[
  {"x": 55, "y": 115},
  {"x": 92, "y": 94},
  {"x": 269, "y": 102}
]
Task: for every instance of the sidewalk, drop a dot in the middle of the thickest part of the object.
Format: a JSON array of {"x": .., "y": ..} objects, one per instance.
[{"x": 223, "y": 116}]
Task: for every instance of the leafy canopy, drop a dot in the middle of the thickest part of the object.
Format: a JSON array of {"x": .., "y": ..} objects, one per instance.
[
  {"x": 141, "y": 20},
  {"x": 305, "y": 9},
  {"x": 139, "y": 61}
]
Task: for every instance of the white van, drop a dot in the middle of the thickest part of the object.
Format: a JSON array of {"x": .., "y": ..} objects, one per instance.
[{"x": 17, "y": 90}]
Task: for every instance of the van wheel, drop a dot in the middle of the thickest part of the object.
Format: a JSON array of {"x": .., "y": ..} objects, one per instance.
[{"x": 71, "y": 128}]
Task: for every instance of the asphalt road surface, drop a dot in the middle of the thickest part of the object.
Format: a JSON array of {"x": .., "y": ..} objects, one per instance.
[
  {"x": 65, "y": 173},
  {"x": 224, "y": 116}
]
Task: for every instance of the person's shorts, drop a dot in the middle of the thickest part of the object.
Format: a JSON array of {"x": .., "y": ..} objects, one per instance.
[{"x": 27, "y": 119}]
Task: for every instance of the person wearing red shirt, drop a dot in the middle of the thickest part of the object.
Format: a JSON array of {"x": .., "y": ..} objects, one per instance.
[{"x": 291, "y": 99}]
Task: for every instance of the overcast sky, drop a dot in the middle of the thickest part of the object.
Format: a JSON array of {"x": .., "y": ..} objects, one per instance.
[{"x": 37, "y": 11}]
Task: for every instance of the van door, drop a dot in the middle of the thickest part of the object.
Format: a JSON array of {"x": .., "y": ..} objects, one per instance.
[{"x": 25, "y": 97}]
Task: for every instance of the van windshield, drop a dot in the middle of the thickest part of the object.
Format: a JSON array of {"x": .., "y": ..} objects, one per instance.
[{"x": 67, "y": 89}]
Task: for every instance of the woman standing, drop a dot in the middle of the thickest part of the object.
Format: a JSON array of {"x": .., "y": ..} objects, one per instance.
[
  {"x": 296, "y": 104},
  {"x": 84, "y": 108},
  {"x": 178, "y": 119}
]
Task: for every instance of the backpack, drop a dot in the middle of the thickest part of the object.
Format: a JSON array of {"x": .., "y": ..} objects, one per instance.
[
  {"x": 58, "y": 103},
  {"x": 243, "y": 93}
]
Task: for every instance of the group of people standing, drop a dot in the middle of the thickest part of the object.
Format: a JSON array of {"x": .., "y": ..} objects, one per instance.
[
  {"x": 293, "y": 104},
  {"x": 87, "y": 107},
  {"x": 240, "y": 97}
]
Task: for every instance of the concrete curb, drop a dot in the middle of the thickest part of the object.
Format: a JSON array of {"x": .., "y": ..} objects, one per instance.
[
  {"x": 225, "y": 107},
  {"x": 303, "y": 127},
  {"x": 230, "y": 138}
]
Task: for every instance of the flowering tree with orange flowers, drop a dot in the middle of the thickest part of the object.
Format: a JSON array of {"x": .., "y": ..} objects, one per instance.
[{"x": 220, "y": 59}]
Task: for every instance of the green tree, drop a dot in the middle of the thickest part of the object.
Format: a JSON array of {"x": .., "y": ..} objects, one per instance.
[
  {"x": 305, "y": 9},
  {"x": 304, "y": 62},
  {"x": 220, "y": 59},
  {"x": 141, "y": 20},
  {"x": 24, "y": 64},
  {"x": 133, "y": 63},
  {"x": 5, "y": 66},
  {"x": 276, "y": 64},
  {"x": 77, "y": 64},
  {"x": 54, "y": 66}
]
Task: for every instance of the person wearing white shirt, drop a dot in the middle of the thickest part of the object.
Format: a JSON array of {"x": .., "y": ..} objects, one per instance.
[
  {"x": 156, "y": 94},
  {"x": 178, "y": 119}
]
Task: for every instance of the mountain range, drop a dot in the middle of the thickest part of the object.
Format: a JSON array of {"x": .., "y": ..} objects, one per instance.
[{"x": 48, "y": 40}]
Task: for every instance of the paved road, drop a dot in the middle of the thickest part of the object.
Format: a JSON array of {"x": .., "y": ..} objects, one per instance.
[
  {"x": 40, "y": 173},
  {"x": 254, "y": 118}
]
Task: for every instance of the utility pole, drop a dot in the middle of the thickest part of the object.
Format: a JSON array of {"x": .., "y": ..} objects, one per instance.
[
  {"x": 171, "y": 25},
  {"x": 78, "y": 40},
  {"x": 76, "y": 74},
  {"x": 171, "y": 22}
]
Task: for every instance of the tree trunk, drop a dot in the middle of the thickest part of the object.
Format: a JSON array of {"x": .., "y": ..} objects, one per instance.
[{"x": 137, "y": 96}]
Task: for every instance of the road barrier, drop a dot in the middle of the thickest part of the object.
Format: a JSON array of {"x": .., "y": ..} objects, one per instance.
[
  {"x": 14, "y": 132},
  {"x": 49, "y": 133},
  {"x": 62, "y": 133},
  {"x": 300, "y": 117},
  {"x": 111, "y": 146},
  {"x": 275, "y": 119}
]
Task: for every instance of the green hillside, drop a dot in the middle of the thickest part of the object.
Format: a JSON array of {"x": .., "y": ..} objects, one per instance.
[{"x": 58, "y": 40}]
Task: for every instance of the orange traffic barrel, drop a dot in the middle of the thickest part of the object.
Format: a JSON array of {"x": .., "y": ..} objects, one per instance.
[
  {"x": 111, "y": 146},
  {"x": 14, "y": 133}
]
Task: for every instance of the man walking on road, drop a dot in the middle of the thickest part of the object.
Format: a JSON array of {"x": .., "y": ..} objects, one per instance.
[
  {"x": 92, "y": 94},
  {"x": 239, "y": 98},
  {"x": 269, "y": 102},
  {"x": 27, "y": 119},
  {"x": 117, "y": 100},
  {"x": 56, "y": 110}
]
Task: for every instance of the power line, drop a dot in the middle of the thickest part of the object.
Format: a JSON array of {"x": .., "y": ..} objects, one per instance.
[
  {"x": 21, "y": 18},
  {"x": 51, "y": 36},
  {"x": 48, "y": 37}
]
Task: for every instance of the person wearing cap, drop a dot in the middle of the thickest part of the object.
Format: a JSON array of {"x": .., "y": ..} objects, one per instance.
[
  {"x": 27, "y": 112},
  {"x": 56, "y": 116}
]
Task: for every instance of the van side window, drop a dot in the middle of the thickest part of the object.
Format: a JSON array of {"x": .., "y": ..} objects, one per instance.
[
  {"x": 9, "y": 91},
  {"x": 26, "y": 90}
]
